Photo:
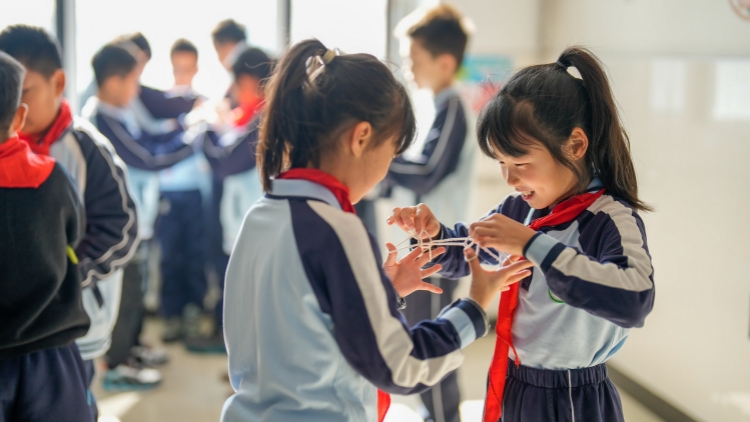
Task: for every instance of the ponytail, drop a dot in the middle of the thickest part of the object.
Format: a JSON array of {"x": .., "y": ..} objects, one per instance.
[
  {"x": 544, "y": 103},
  {"x": 609, "y": 144},
  {"x": 314, "y": 94}
]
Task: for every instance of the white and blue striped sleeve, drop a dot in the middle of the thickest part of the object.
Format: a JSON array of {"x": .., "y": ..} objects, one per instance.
[
  {"x": 611, "y": 275},
  {"x": 346, "y": 275}
]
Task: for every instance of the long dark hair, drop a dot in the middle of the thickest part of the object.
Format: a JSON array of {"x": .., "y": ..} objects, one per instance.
[
  {"x": 309, "y": 104},
  {"x": 544, "y": 103}
]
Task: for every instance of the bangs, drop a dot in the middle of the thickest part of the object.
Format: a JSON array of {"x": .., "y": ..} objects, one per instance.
[{"x": 508, "y": 127}]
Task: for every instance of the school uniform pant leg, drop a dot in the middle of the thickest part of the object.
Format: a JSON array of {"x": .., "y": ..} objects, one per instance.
[
  {"x": 49, "y": 385},
  {"x": 129, "y": 321},
  {"x": 565, "y": 396},
  {"x": 183, "y": 256},
  {"x": 443, "y": 400},
  {"x": 218, "y": 258}
]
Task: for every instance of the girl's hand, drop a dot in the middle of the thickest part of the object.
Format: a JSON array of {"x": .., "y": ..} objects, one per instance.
[
  {"x": 407, "y": 274},
  {"x": 502, "y": 233},
  {"x": 419, "y": 218},
  {"x": 485, "y": 284}
]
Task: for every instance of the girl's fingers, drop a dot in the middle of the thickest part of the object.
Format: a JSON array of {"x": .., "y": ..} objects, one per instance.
[
  {"x": 515, "y": 278},
  {"x": 518, "y": 266},
  {"x": 412, "y": 256},
  {"x": 472, "y": 259},
  {"x": 430, "y": 288},
  {"x": 432, "y": 270},
  {"x": 392, "y": 255},
  {"x": 407, "y": 217},
  {"x": 425, "y": 258}
]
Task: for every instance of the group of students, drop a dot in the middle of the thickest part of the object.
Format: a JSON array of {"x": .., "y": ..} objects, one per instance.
[
  {"x": 312, "y": 314},
  {"x": 137, "y": 165}
]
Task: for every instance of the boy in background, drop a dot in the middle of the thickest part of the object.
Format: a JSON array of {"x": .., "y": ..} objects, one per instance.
[
  {"x": 116, "y": 73},
  {"x": 230, "y": 40},
  {"x": 42, "y": 375},
  {"x": 184, "y": 58},
  {"x": 439, "y": 175},
  {"x": 111, "y": 233}
]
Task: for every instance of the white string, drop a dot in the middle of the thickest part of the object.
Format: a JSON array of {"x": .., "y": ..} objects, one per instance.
[{"x": 426, "y": 246}]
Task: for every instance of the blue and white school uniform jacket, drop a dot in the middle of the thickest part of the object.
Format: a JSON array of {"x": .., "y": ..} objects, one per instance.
[
  {"x": 597, "y": 265},
  {"x": 232, "y": 157},
  {"x": 310, "y": 318},
  {"x": 111, "y": 236},
  {"x": 441, "y": 175}
]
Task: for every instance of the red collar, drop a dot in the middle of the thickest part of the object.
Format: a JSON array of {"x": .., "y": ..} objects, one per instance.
[
  {"x": 244, "y": 113},
  {"x": 331, "y": 183},
  {"x": 59, "y": 126},
  {"x": 21, "y": 168}
]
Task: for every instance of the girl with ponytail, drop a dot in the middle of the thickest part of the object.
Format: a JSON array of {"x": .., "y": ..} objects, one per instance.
[
  {"x": 574, "y": 215},
  {"x": 311, "y": 316}
]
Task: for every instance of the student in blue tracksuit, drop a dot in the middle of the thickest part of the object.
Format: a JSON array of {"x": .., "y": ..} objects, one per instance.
[
  {"x": 116, "y": 74},
  {"x": 440, "y": 175},
  {"x": 311, "y": 316},
  {"x": 111, "y": 236},
  {"x": 232, "y": 158},
  {"x": 560, "y": 144}
]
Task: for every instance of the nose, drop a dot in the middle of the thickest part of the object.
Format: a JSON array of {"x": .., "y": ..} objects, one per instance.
[{"x": 510, "y": 176}]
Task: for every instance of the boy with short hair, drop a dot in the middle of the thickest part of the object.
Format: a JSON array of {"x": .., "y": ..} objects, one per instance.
[
  {"x": 111, "y": 235},
  {"x": 184, "y": 57},
  {"x": 230, "y": 40},
  {"x": 440, "y": 173},
  {"x": 42, "y": 375}
]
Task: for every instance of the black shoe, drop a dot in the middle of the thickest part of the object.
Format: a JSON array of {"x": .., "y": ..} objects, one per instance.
[
  {"x": 172, "y": 330},
  {"x": 207, "y": 344}
]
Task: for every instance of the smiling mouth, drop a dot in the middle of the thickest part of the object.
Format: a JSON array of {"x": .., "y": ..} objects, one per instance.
[{"x": 527, "y": 195}]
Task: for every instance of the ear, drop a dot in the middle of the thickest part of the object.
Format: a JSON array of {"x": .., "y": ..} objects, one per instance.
[
  {"x": 578, "y": 143},
  {"x": 447, "y": 63},
  {"x": 58, "y": 82},
  {"x": 359, "y": 138},
  {"x": 19, "y": 119}
]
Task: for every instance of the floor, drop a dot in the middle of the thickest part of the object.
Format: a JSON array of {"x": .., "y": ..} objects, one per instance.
[{"x": 194, "y": 389}]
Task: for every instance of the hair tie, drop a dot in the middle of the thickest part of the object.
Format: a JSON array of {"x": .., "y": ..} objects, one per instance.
[
  {"x": 330, "y": 55},
  {"x": 316, "y": 64},
  {"x": 560, "y": 65}
]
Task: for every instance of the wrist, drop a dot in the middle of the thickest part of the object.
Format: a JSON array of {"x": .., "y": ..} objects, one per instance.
[{"x": 482, "y": 296}]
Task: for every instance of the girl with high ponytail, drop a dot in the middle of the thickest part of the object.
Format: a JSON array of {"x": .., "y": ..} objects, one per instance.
[
  {"x": 558, "y": 138},
  {"x": 311, "y": 316}
]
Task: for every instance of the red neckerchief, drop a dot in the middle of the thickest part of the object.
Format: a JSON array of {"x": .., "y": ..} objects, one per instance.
[
  {"x": 21, "y": 168},
  {"x": 337, "y": 188},
  {"x": 62, "y": 122},
  {"x": 564, "y": 212},
  {"x": 244, "y": 113}
]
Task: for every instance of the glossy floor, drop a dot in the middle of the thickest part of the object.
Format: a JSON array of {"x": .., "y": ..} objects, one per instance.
[{"x": 194, "y": 389}]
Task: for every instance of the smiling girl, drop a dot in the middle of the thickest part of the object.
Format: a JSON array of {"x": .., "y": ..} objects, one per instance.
[{"x": 574, "y": 215}]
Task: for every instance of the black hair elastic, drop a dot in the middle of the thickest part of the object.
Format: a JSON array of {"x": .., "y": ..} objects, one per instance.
[{"x": 560, "y": 65}]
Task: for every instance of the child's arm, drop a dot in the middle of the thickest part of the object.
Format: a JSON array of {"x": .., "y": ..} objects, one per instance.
[
  {"x": 162, "y": 105},
  {"x": 610, "y": 276},
  {"x": 346, "y": 272},
  {"x": 237, "y": 157},
  {"x": 111, "y": 230},
  {"x": 148, "y": 152},
  {"x": 440, "y": 154}
]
